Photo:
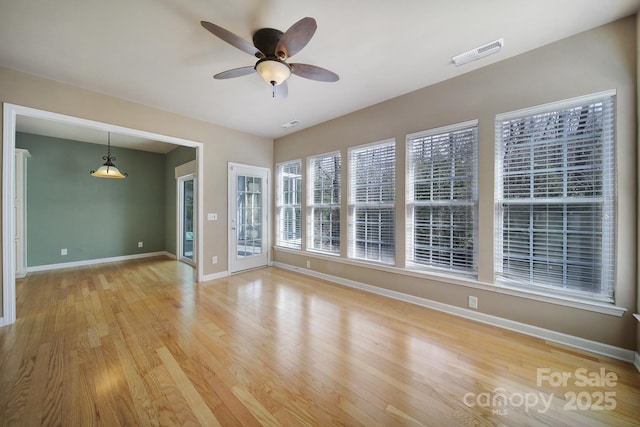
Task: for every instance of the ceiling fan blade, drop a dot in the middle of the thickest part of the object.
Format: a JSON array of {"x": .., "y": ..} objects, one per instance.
[
  {"x": 314, "y": 73},
  {"x": 296, "y": 37},
  {"x": 281, "y": 91},
  {"x": 236, "y": 72},
  {"x": 232, "y": 39}
]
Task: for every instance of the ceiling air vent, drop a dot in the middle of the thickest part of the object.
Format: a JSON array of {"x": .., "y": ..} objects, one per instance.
[
  {"x": 477, "y": 53},
  {"x": 291, "y": 124}
]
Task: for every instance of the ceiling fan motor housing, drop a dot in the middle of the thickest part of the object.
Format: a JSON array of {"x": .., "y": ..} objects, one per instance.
[{"x": 266, "y": 40}]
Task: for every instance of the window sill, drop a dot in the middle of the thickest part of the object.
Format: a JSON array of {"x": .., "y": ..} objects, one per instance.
[
  {"x": 565, "y": 301},
  {"x": 288, "y": 248},
  {"x": 330, "y": 255}
]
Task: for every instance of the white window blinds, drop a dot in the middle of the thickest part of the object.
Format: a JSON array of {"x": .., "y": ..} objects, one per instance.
[
  {"x": 323, "y": 203},
  {"x": 372, "y": 202},
  {"x": 442, "y": 198},
  {"x": 555, "y": 173},
  {"x": 288, "y": 204}
]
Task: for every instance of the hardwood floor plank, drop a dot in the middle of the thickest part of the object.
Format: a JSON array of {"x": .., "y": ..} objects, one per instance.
[
  {"x": 141, "y": 343},
  {"x": 220, "y": 380},
  {"x": 52, "y": 402},
  {"x": 20, "y": 392},
  {"x": 104, "y": 388},
  {"x": 191, "y": 395},
  {"x": 176, "y": 403},
  {"x": 404, "y": 417},
  {"x": 76, "y": 404},
  {"x": 142, "y": 401},
  {"x": 264, "y": 417},
  {"x": 33, "y": 410}
]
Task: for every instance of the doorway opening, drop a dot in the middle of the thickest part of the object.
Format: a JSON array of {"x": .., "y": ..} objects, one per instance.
[{"x": 11, "y": 114}]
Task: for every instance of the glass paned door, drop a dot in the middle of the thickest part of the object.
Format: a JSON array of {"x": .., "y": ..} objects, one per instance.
[
  {"x": 186, "y": 220},
  {"x": 248, "y": 217}
]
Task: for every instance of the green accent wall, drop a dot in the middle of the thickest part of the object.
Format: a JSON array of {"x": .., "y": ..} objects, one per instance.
[
  {"x": 92, "y": 218},
  {"x": 176, "y": 157}
]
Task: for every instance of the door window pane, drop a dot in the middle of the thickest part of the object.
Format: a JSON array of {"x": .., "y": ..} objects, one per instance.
[
  {"x": 249, "y": 214},
  {"x": 187, "y": 219}
]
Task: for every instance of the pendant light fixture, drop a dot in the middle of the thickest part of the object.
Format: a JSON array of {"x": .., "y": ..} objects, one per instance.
[{"x": 108, "y": 169}]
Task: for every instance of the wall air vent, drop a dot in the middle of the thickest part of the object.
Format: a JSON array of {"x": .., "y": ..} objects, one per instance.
[{"x": 477, "y": 53}]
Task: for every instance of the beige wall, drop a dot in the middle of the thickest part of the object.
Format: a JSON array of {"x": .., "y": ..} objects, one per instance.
[
  {"x": 221, "y": 145},
  {"x": 638, "y": 177},
  {"x": 598, "y": 60}
]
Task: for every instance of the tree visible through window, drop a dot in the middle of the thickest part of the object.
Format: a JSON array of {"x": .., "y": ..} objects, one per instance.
[
  {"x": 555, "y": 181},
  {"x": 324, "y": 203},
  {"x": 442, "y": 197},
  {"x": 372, "y": 202},
  {"x": 288, "y": 204}
]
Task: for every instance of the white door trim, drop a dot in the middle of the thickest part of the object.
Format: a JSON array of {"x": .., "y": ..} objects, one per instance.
[{"x": 266, "y": 203}]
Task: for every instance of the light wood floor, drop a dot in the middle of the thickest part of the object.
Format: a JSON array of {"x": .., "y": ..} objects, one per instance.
[{"x": 139, "y": 343}]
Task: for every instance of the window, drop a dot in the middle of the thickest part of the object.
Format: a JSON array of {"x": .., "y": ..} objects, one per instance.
[
  {"x": 555, "y": 197},
  {"x": 372, "y": 202},
  {"x": 324, "y": 203},
  {"x": 288, "y": 204},
  {"x": 442, "y": 198}
]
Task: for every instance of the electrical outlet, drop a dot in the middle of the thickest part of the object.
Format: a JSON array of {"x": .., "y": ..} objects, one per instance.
[
  {"x": 473, "y": 302},
  {"x": 63, "y": 252},
  {"x": 308, "y": 263},
  {"x": 140, "y": 244},
  {"x": 214, "y": 260}
]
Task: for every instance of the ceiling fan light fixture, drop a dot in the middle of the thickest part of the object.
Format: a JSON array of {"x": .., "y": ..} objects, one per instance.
[
  {"x": 273, "y": 71},
  {"x": 274, "y": 48}
]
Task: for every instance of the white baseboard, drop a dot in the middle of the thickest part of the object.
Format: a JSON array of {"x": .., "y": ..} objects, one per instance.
[
  {"x": 97, "y": 261},
  {"x": 636, "y": 362},
  {"x": 214, "y": 276},
  {"x": 3, "y": 322},
  {"x": 546, "y": 334}
]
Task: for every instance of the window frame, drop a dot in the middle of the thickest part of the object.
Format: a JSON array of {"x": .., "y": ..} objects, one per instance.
[
  {"x": 283, "y": 207},
  {"x": 609, "y": 184},
  {"x": 471, "y": 269},
  {"x": 332, "y": 205},
  {"x": 383, "y": 206}
]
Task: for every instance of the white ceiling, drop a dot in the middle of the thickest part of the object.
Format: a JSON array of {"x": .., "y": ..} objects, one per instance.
[{"x": 155, "y": 52}]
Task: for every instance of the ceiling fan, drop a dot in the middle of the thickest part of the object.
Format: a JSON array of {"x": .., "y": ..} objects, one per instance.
[{"x": 272, "y": 48}]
